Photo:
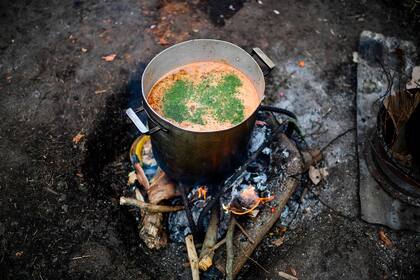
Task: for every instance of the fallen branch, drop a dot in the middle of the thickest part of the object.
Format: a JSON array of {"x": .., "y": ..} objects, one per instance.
[
  {"x": 207, "y": 252},
  {"x": 192, "y": 256},
  {"x": 152, "y": 208}
]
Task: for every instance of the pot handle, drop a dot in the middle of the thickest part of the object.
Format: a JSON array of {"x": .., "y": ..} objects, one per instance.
[
  {"x": 265, "y": 59},
  {"x": 139, "y": 124}
]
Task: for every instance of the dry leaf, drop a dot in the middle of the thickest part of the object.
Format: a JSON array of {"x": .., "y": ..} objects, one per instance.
[
  {"x": 314, "y": 175},
  {"x": 292, "y": 271},
  {"x": 110, "y": 57},
  {"x": 301, "y": 63},
  {"x": 382, "y": 236},
  {"x": 163, "y": 41},
  {"x": 79, "y": 136},
  {"x": 278, "y": 242}
]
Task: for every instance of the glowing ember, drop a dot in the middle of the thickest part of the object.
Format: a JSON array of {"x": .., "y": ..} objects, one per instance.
[
  {"x": 202, "y": 192},
  {"x": 247, "y": 201}
]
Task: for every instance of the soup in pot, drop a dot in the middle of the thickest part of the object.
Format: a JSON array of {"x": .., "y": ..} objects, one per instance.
[{"x": 204, "y": 96}]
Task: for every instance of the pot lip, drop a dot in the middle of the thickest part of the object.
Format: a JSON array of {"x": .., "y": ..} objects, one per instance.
[{"x": 172, "y": 125}]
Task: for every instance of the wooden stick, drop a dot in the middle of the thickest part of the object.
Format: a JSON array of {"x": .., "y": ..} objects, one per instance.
[
  {"x": 192, "y": 256},
  {"x": 287, "y": 276},
  {"x": 207, "y": 254},
  {"x": 229, "y": 249},
  {"x": 153, "y": 208},
  {"x": 250, "y": 239},
  {"x": 218, "y": 244}
]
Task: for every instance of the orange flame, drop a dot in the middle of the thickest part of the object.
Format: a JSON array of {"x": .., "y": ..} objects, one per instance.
[{"x": 202, "y": 192}]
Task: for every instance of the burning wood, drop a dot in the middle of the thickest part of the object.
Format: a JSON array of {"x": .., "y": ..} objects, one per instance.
[{"x": 246, "y": 202}]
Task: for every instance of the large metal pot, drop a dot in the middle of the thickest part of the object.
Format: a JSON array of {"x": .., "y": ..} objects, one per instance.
[{"x": 191, "y": 156}]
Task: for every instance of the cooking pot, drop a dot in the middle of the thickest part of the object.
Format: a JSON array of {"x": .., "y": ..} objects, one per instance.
[{"x": 199, "y": 156}]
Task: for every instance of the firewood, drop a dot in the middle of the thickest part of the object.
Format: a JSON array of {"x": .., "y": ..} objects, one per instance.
[
  {"x": 229, "y": 249},
  {"x": 161, "y": 188},
  {"x": 192, "y": 256},
  {"x": 151, "y": 229},
  {"x": 257, "y": 230},
  {"x": 295, "y": 166},
  {"x": 207, "y": 252},
  {"x": 152, "y": 208}
]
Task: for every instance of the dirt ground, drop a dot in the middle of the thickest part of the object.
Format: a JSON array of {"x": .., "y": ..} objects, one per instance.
[{"x": 59, "y": 216}]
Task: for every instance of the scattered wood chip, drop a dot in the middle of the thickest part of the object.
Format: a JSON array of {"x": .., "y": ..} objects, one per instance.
[
  {"x": 415, "y": 78},
  {"x": 324, "y": 172},
  {"x": 278, "y": 242},
  {"x": 384, "y": 238},
  {"x": 286, "y": 276},
  {"x": 132, "y": 177},
  {"x": 314, "y": 175},
  {"x": 84, "y": 50},
  {"x": 79, "y": 136},
  {"x": 99, "y": 91},
  {"x": 301, "y": 63},
  {"x": 317, "y": 174},
  {"x": 355, "y": 57},
  {"x": 109, "y": 58},
  {"x": 19, "y": 254},
  {"x": 81, "y": 257},
  {"x": 276, "y": 12}
]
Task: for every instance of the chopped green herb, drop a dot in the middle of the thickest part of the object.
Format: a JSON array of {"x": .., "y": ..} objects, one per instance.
[{"x": 215, "y": 98}]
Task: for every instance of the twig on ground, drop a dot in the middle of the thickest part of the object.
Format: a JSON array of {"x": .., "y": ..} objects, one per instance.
[
  {"x": 258, "y": 264},
  {"x": 81, "y": 257},
  {"x": 337, "y": 137}
]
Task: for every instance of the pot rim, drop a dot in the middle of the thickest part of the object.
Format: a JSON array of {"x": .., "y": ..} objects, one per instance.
[{"x": 172, "y": 125}]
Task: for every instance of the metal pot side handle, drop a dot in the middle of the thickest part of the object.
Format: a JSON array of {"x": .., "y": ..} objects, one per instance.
[
  {"x": 139, "y": 124},
  {"x": 265, "y": 59}
]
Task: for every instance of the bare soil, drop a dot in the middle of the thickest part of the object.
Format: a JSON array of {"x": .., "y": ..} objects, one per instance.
[{"x": 59, "y": 216}]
